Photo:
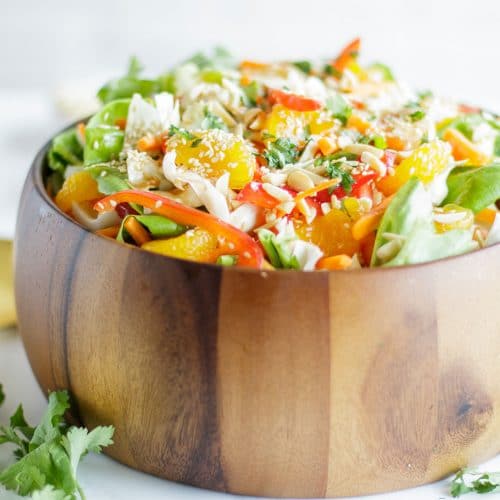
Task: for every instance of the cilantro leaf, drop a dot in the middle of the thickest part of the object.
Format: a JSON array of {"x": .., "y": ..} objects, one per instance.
[
  {"x": 281, "y": 152},
  {"x": 469, "y": 481},
  {"x": 52, "y": 423},
  {"x": 18, "y": 433},
  {"x": 304, "y": 66},
  {"x": 48, "y": 456},
  {"x": 339, "y": 108},
  {"x": 220, "y": 58},
  {"x": 79, "y": 441},
  {"x": 417, "y": 115},
  {"x": 212, "y": 121},
  {"x": 335, "y": 167},
  {"x": 186, "y": 134}
]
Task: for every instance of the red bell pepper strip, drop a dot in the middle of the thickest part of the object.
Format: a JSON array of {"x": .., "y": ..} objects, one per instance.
[
  {"x": 255, "y": 193},
  {"x": 249, "y": 252},
  {"x": 348, "y": 53},
  {"x": 292, "y": 101},
  {"x": 359, "y": 188}
]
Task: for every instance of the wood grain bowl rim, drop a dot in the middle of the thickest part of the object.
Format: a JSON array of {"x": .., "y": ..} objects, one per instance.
[{"x": 39, "y": 167}]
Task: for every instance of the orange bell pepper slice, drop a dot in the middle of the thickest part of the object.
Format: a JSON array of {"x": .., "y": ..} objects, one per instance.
[{"x": 348, "y": 53}]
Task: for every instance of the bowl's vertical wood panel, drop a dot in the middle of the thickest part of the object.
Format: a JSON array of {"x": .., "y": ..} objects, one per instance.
[
  {"x": 274, "y": 376},
  {"x": 44, "y": 269},
  {"x": 156, "y": 326},
  {"x": 467, "y": 306},
  {"x": 383, "y": 386}
]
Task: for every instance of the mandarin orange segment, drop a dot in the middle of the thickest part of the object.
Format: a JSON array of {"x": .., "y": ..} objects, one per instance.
[
  {"x": 294, "y": 125},
  {"x": 425, "y": 162},
  {"x": 79, "y": 187},
  {"x": 331, "y": 233},
  {"x": 211, "y": 153},
  {"x": 196, "y": 244}
]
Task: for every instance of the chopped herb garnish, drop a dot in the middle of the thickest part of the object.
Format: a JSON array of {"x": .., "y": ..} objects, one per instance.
[
  {"x": 281, "y": 152},
  {"x": 227, "y": 260},
  {"x": 212, "y": 121},
  {"x": 220, "y": 58},
  {"x": 339, "y": 108},
  {"x": 307, "y": 132},
  {"x": 184, "y": 133},
  {"x": 424, "y": 94},
  {"x": 330, "y": 70},
  {"x": 334, "y": 165},
  {"x": 417, "y": 115},
  {"x": 304, "y": 66}
]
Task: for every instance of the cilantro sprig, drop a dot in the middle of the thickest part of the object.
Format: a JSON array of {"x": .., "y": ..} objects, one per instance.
[
  {"x": 211, "y": 120},
  {"x": 473, "y": 481},
  {"x": 335, "y": 166},
  {"x": 281, "y": 152},
  {"x": 183, "y": 132},
  {"x": 48, "y": 454}
]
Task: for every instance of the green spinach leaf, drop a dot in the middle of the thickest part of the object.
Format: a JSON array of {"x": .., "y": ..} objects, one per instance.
[{"x": 474, "y": 187}]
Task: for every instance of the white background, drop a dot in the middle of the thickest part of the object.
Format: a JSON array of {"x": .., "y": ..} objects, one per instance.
[{"x": 49, "y": 47}]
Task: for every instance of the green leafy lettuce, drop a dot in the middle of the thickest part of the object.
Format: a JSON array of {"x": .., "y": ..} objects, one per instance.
[
  {"x": 103, "y": 136},
  {"x": 339, "y": 108},
  {"x": 128, "y": 85},
  {"x": 110, "y": 179},
  {"x": 474, "y": 187},
  {"x": 408, "y": 227},
  {"x": 383, "y": 70},
  {"x": 65, "y": 150}
]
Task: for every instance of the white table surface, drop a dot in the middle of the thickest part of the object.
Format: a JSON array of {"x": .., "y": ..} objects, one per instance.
[{"x": 105, "y": 479}]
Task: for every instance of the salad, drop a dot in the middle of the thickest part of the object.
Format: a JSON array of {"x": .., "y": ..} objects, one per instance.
[{"x": 285, "y": 165}]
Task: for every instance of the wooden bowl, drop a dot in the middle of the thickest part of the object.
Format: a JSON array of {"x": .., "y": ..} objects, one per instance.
[{"x": 286, "y": 384}]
